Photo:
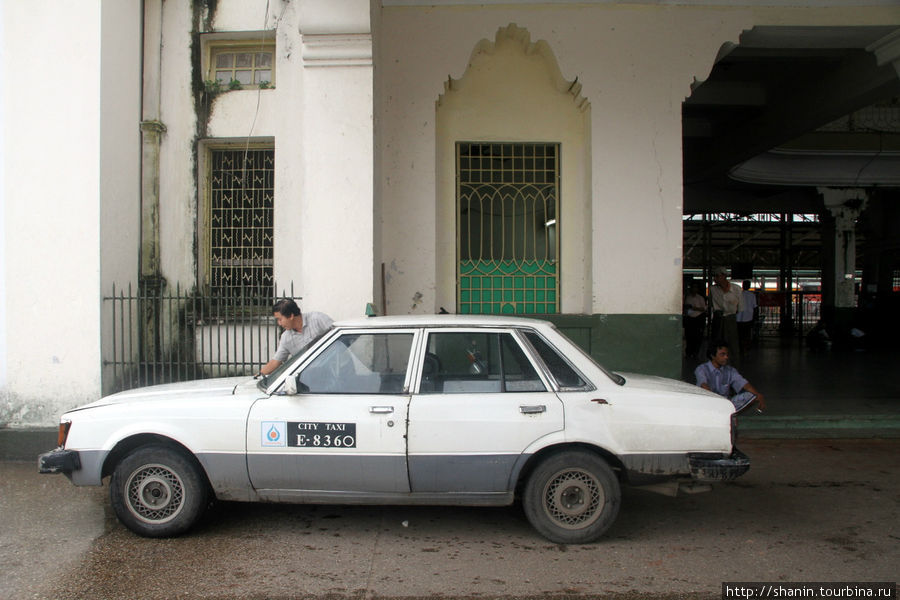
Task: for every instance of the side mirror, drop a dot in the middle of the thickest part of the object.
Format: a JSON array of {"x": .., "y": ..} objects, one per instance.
[{"x": 293, "y": 386}]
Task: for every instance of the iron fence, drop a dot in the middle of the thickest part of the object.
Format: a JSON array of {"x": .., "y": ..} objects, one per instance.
[
  {"x": 157, "y": 335},
  {"x": 806, "y": 310}
]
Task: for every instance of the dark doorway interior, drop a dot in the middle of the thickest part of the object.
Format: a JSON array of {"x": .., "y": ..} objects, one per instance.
[{"x": 791, "y": 165}]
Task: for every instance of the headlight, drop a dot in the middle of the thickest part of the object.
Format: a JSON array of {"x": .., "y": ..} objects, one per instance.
[{"x": 63, "y": 434}]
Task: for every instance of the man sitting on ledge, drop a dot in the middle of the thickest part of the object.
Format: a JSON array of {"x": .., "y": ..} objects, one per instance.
[{"x": 717, "y": 376}]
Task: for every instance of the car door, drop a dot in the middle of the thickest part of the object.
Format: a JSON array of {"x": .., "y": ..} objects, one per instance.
[
  {"x": 345, "y": 429},
  {"x": 480, "y": 403}
]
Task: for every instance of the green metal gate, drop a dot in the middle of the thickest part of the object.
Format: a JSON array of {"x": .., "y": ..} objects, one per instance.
[{"x": 507, "y": 228}]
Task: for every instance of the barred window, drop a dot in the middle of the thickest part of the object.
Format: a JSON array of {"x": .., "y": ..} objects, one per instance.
[
  {"x": 240, "y": 221},
  {"x": 507, "y": 227}
]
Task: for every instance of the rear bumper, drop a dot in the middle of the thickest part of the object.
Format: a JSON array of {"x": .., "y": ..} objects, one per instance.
[
  {"x": 59, "y": 461},
  {"x": 712, "y": 467}
]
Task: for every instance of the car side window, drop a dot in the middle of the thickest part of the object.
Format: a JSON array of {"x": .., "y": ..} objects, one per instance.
[
  {"x": 562, "y": 371},
  {"x": 365, "y": 363},
  {"x": 477, "y": 362}
]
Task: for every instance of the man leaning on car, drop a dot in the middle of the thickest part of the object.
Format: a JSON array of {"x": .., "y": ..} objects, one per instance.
[{"x": 299, "y": 331}]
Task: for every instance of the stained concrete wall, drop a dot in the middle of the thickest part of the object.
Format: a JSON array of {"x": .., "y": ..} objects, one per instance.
[{"x": 319, "y": 117}]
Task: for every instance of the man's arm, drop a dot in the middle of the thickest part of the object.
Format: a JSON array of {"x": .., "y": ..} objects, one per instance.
[
  {"x": 270, "y": 366},
  {"x": 759, "y": 397},
  {"x": 281, "y": 355},
  {"x": 702, "y": 377}
]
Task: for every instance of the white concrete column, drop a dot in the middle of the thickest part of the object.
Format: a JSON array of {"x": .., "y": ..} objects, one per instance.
[
  {"x": 120, "y": 163},
  {"x": 845, "y": 205},
  {"x": 50, "y": 109},
  {"x": 331, "y": 223}
]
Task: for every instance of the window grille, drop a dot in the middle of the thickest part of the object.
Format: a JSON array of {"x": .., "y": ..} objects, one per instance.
[
  {"x": 508, "y": 223},
  {"x": 752, "y": 218},
  {"x": 241, "y": 209}
]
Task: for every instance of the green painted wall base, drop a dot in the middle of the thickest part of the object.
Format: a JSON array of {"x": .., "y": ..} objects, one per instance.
[
  {"x": 648, "y": 344},
  {"x": 819, "y": 426}
]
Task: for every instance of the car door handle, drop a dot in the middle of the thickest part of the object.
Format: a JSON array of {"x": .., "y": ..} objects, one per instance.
[
  {"x": 381, "y": 410},
  {"x": 533, "y": 410}
]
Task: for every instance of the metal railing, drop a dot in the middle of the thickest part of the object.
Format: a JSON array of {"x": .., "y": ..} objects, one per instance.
[
  {"x": 156, "y": 335},
  {"x": 806, "y": 310}
]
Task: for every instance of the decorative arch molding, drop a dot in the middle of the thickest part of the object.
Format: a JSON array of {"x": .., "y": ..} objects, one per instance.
[
  {"x": 512, "y": 94},
  {"x": 513, "y": 35}
]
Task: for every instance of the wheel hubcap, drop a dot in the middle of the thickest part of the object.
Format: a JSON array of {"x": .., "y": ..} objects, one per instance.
[
  {"x": 573, "y": 498},
  {"x": 155, "y": 494}
]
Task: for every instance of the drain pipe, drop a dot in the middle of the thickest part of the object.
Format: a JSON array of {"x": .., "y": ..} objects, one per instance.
[{"x": 152, "y": 130}]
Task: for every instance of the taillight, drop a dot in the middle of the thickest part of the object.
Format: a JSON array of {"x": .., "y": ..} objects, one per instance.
[
  {"x": 734, "y": 423},
  {"x": 63, "y": 433}
]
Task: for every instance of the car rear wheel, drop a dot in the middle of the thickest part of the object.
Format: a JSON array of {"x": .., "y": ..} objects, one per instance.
[
  {"x": 157, "y": 491},
  {"x": 572, "y": 497}
]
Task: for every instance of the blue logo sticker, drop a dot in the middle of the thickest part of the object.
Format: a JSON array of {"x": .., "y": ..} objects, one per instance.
[{"x": 274, "y": 433}]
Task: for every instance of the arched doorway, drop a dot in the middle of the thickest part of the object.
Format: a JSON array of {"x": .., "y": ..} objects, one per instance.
[{"x": 513, "y": 199}]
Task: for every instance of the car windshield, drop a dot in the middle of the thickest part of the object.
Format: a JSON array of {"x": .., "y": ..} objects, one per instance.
[{"x": 266, "y": 380}]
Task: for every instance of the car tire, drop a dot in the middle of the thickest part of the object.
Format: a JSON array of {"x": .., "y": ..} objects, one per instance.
[
  {"x": 572, "y": 497},
  {"x": 157, "y": 491}
]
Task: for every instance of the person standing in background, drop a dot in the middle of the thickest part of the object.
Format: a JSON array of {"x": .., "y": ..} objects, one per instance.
[
  {"x": 746, "y": 319},
  {"x": 694, "y": 320},
  {"x": 727, "y": 301}
]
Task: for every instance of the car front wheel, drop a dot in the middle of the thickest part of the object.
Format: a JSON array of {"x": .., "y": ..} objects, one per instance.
[
  {"x": 572, "y": 497},
  {"x": 157, "y": 491}
]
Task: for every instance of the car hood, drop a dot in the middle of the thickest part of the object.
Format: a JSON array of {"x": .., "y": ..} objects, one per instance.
[
  {"x": 189, "y": 389},
  {"x": 652, "y": 383}
]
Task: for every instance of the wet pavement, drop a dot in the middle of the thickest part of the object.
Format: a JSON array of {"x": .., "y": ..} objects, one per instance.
[
  {"x": 808, "y": 510},
  {"x": 47, "y": 528}
]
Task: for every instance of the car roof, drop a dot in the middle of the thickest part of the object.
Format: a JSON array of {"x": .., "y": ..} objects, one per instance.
[{"x": 441, "y": 321}]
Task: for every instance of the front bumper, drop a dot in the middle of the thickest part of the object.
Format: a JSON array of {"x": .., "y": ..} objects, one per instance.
[
  {"x": 59, "y": 461},
  {"x": 711, "y": 467}
]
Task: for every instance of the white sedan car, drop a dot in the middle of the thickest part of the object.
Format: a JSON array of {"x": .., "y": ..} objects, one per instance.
[{"x": 441, "y": 410}]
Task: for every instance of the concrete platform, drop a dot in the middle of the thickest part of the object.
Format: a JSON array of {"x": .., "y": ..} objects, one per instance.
[{"x": 839, "y": 393}]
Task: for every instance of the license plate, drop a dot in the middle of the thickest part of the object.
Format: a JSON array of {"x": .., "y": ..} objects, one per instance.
[{"x": 322, "y": 435}]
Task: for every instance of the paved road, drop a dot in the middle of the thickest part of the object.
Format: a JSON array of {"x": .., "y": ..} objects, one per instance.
[{"x": 807, "y": 511}]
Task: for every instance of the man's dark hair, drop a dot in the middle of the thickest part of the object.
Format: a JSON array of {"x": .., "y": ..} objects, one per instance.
[
  {"x": 287, "y": 307},
  {"x": 714, "y": 347}
]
